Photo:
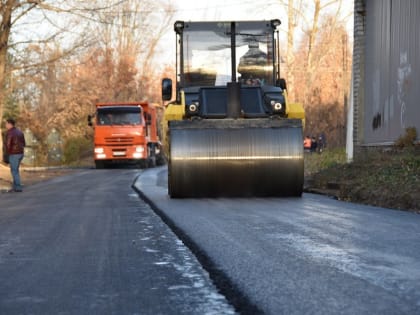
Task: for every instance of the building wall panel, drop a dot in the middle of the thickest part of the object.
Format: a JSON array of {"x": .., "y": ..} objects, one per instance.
[{"x": 392, "y": 69}]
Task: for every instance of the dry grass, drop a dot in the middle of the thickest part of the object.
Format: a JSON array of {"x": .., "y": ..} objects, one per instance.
[{"x": 388, "y": 179}]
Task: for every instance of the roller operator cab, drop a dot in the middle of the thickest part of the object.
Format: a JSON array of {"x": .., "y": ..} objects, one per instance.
[
  {"x": 231, "y": 131},
  {"x": 125, "y": 133}
]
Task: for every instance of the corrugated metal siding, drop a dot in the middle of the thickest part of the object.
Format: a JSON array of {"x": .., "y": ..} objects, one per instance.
[{"x": 392, "y": 69}]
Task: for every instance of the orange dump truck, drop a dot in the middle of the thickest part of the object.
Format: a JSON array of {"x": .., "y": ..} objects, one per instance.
[{"x": 125, "y": 133}]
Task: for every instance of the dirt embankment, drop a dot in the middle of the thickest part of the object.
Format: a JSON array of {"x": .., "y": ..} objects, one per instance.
[{"x": 389, "y": 179}]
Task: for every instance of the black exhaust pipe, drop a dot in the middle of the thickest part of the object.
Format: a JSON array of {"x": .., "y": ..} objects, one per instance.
[
  {"x": 233, "y": 88},
  {"x": 233, "y": 100}
]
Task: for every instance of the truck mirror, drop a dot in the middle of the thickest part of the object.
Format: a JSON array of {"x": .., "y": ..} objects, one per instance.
[
  {"x": 89, "y": 118},
  {"x": 148, "y": 119},
  {"x": 166, "y": 89}
]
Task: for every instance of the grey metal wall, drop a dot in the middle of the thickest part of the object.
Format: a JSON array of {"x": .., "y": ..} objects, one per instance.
[{"x": 392, "y": 70}]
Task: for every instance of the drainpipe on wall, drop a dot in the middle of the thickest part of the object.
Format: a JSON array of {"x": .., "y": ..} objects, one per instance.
[{"x": 350, "y": 113}]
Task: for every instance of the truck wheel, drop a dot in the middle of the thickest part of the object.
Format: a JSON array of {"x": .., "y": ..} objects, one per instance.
[
  {"x": 142, "y": 164},
  {"x": 99, "y": 164},
  {"x": 152, "y": 161},
  {"x": 160, "y": 160}
]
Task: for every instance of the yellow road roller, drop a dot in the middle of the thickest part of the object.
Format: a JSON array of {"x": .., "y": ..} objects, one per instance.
[{"x": 231, "y": 131}]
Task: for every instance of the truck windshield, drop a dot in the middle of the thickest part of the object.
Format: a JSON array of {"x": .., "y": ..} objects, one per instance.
[
  {"x": 207, "y": 53},
  {"x": 108, "y": 116}
]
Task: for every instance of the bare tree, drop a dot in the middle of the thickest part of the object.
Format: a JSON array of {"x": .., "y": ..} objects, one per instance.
[
  {"x": 134, "y": 31},
  {"x": 315, "y": 70},
  {"x": 15, "y": 16},
  {"x": 312, "y": 36},
  {"x": 41, "y": 33},
  {"x": 294, "y": 13}
]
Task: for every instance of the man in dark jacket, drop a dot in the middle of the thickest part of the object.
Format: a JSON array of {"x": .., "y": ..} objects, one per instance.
[{"x": 15, "y": 143}]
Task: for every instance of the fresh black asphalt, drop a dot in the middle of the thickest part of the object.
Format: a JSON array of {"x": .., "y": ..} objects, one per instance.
[
  {"x": 309, "y": 255},
  {"x": 86, "y": 244}
]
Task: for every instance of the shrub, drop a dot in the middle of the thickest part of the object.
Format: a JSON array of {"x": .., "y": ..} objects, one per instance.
[
  {"x": 74, "y": 148},
  {"x": 407, "y": 139}
]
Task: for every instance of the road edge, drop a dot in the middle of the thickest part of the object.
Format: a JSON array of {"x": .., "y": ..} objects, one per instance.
[{"x": 222, "y": 282}]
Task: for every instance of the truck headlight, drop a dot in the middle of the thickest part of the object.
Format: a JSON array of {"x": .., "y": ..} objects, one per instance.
[
  {"x": 140, "y": 149},
  {"x": 99, "y": 150}
]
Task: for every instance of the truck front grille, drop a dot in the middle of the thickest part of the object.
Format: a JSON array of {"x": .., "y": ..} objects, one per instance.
[{"x": 119, "y": 140}]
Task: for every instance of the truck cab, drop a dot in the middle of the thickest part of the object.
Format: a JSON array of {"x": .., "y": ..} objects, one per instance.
[{"x": 125, "y": 133}]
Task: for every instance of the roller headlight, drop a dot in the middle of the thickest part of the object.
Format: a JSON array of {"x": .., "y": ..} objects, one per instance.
[
  {"x": 277, "y": 107},
  {"x": 193, "y": 108}
]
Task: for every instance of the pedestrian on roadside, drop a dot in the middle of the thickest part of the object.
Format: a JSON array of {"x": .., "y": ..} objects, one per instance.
[
  {"x": 5, "y": 156},
  {"x": 321, "y": 144},
  {"x": 314, "y": 144},
  {"x": 307, "y": 144},
  {"x": 15, "y": 144}
]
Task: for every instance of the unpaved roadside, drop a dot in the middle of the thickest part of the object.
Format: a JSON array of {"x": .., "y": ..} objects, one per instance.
[
  {"x": 389, "y": 179},
  {"x": 31, "y": 175}
]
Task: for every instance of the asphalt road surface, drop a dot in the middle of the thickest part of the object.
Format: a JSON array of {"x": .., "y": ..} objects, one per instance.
[
  {"x": 86, "y": 244},
  {"x": 309, "y": 255}
]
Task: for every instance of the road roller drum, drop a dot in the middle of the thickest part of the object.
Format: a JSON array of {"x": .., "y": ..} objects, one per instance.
[{"x": 235, "y": 158}]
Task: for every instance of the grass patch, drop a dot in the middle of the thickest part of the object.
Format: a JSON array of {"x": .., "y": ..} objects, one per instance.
[
  {"x": 388, "y": 179},
  {"x": 329, "y": 158}
]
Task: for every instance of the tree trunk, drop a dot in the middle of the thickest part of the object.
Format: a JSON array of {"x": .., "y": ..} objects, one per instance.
[
  {"x": 5, "y": 26},
  {"x": 311, "y": 43}
]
